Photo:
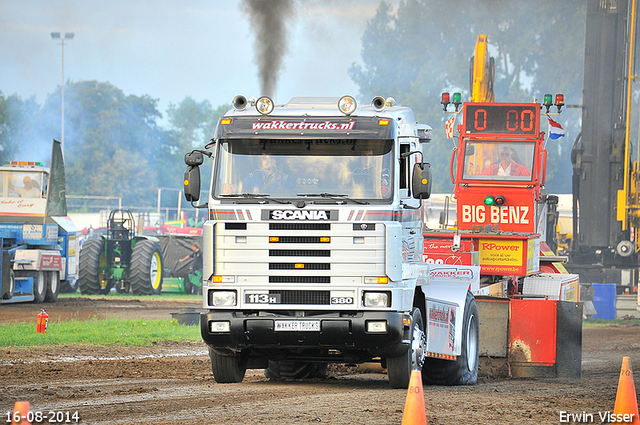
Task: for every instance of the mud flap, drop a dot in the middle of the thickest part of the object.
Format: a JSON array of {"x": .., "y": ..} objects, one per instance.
[
  {"x": 545, "y": 338},
  {"x": 530, "y": 338}
]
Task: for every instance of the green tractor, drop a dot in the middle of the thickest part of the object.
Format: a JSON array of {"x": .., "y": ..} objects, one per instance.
[{"x": 121, "y": 259}]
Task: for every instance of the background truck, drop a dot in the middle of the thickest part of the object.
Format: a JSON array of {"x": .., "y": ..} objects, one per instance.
[
  {"x": 39, "y": 245},
  {"x": 531, "y": 317},
  {"x": 313, "y": 250}
]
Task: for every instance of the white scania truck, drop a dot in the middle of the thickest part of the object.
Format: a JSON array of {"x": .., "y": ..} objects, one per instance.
[{"x": 313, "y": 247}]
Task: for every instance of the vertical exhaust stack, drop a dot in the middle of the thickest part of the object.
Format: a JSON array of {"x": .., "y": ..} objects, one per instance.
[{"x": 269, "y": 22}]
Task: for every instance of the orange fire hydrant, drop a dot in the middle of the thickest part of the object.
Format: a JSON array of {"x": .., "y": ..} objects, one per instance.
[{"x": 43, "y": 321}]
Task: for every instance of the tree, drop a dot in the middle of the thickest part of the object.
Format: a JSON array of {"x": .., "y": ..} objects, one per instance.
[
  {"x": 189, "y": 118},
  {"x": 111, "y": 141},
  {"x": 425, "y": 47},
  {"x": 194, "y": 126},
  {"x": 16, "y": 118}
]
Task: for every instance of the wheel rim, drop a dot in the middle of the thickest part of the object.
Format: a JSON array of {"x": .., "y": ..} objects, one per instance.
[
  {"x": 54, "y": 282},
  {"x": 41, "y": 283},
  {"x": 12, "y": 282},
  {"x": 472, "y": 343},
  {"x": 418, "y": 348},
  {"x": 102, "y": 275},
  {"x": 154, "y": 271}
]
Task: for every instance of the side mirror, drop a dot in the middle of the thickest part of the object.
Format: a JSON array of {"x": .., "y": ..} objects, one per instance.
[
  {"x": 194, "y": 159},
  {"x": 192, "y": 183},
  {"x": 424, "y": 133},
  {"x": 421, "y": 180}
]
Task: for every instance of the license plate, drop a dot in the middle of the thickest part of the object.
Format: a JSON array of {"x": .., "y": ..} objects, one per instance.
[{"x": 297, "y": 325}]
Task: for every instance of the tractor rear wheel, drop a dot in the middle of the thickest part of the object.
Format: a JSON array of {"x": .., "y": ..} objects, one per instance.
[
  {"x": 146, "y": 268},
  {"x": 93, "y": 262}
]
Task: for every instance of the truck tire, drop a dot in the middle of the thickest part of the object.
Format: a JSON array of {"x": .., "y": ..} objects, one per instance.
[
  {"x": 12, "y": 286},
  {"x": 399, "y": 368},
  {"x": 146, "y": 268},
  {"x": 227, "y": 369},
  {"x": 68, "y": 286},
  {"x": 53, "y": 286},
  {"x": 295, "y": 370},
  {"x": 39, "y": 286},
  {"x": 92, "y": 264},
  {"x": 463, "y": 371}
]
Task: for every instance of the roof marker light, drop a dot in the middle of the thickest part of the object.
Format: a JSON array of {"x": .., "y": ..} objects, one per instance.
[
  {"x": 457, "y": 100},
  {"x": 547, "y": 102},
  {"x": 559, "y": 102}
]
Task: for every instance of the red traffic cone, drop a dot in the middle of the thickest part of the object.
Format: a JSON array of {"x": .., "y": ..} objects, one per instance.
[
  {"x": 626, "y": 408},
  {"x": 414, "y": 412},
  {"x": 20, "y": 415}
]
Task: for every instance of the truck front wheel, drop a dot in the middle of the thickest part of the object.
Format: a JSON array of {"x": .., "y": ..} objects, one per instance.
[
  {"x": 463, "y": 371},
  {"x": 399, "y": 368},
  {"x": 227, "y": 369},
  {"x": 146, "y": 268}
]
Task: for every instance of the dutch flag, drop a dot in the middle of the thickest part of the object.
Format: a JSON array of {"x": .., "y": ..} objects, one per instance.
[{"x": 555, "y": 130}]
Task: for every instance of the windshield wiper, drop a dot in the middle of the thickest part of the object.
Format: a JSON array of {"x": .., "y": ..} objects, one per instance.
[
  {"x": 254, "y": 196},
  {"x": 334, "y": 196}
]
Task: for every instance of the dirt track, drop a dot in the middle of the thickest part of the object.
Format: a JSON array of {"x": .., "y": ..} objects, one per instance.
[{"x": 172, "y": 383}]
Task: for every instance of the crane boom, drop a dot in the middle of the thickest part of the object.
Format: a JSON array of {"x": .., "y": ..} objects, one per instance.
[{"x": 482, "y": 72}]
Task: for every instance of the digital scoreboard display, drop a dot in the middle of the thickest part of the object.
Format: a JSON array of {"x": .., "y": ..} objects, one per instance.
[{"x": 505, "y": 118}]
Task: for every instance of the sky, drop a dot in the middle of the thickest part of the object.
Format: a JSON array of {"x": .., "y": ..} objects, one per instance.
[{"x": 171, "y": 50}]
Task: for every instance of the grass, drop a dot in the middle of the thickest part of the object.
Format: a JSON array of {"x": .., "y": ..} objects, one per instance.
[
  {"x": 106, "y": 332},
  {"x": 605, "y": 322},
  {"x": 112, "y": 294}
]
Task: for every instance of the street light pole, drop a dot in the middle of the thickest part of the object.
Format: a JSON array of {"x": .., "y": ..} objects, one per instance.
[{"x": 67, "y": 36}]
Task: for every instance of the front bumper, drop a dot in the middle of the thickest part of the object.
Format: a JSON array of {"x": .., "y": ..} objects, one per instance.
[{"x": 347, "y": 333}]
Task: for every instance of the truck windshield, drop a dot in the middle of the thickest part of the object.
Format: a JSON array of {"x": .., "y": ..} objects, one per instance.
[
  {"x": 295, "y": 168},
  {"x": 23, "y": 184},
  {"x": 504, "y": 160}
]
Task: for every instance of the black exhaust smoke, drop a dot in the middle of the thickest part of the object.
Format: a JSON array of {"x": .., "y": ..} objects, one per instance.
[{"x": 269, "y": 21}]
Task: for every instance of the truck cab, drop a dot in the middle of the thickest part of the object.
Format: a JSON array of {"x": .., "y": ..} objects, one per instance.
[
  {"x": 313, "y": 247},
  {"x": 39, "y": 244}
]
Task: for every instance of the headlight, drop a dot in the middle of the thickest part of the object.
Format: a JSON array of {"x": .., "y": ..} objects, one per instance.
[
  {"x": 264, "y": 105},
  {"x": 376, "y": 299},
  {"x": 347, "y": 105},
  {"x": 223, "y": 298}
]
